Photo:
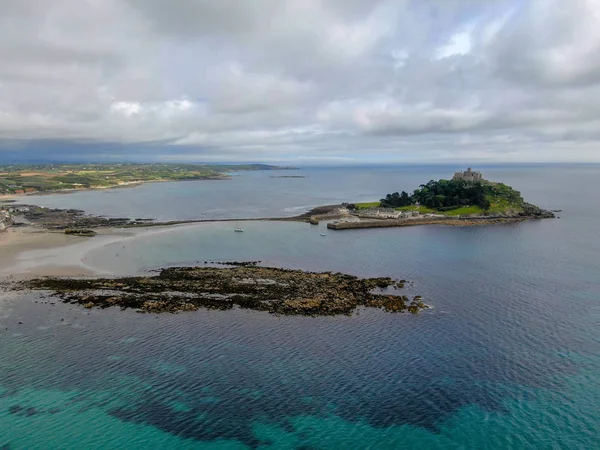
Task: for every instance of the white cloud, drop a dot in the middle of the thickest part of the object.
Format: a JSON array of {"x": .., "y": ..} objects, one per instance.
[
  {"x": 459, "y": 44},
  {"x": 126, "y": 109}
]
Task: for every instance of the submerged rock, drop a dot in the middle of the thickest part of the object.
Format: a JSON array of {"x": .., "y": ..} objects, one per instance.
[{"x": 80, "y": 232}]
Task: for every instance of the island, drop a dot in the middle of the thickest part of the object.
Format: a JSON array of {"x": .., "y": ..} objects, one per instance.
[
  {"x": 467, "y": 199},
  {"x": 241, "y": 284},
  {"x": 40, "y": 178}
]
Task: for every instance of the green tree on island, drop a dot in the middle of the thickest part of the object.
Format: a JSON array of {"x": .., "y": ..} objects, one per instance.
[{"x": 445, "y": 195}]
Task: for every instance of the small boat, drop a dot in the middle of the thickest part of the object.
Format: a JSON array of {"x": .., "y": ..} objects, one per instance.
[
  {"x": 322, "y": 234},
  {"x": 238, "y": 229}
]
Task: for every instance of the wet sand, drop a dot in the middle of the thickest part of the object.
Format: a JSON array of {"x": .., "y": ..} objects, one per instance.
[
  {"x": 31, "y": 251},
  {"x": 27, "y": 252}
]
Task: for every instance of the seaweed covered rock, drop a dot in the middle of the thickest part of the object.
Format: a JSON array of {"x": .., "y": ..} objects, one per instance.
[{"x": 275, "y": 290}]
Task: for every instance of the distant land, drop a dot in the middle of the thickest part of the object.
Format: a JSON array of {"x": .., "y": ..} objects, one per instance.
[{"x": 34, "y": 178}]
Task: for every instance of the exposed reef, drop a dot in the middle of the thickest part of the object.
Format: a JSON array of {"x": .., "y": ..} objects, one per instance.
[
  {"x": 72, "y": 219},
  {"x": 275, "y": 290}
]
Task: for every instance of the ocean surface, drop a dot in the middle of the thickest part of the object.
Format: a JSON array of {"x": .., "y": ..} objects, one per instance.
[{"x": 507, "y": 358}]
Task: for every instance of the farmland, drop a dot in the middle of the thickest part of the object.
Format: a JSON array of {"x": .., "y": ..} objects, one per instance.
[{"x": 22, "y": 179}]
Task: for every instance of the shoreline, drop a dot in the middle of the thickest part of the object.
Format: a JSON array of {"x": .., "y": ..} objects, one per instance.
[
  {"x": 454, "y": 222},
  {"x": 30, "y": 251}
]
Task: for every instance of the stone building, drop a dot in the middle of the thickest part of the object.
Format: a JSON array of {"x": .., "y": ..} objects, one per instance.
[{"x": 468, "y": 175}]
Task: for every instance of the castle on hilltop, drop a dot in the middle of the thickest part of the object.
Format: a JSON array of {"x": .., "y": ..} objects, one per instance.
[{"x": 468, "y": 175}]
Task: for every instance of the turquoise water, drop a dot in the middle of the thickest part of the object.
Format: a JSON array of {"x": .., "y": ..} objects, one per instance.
[{"x": 509, "y": 357}]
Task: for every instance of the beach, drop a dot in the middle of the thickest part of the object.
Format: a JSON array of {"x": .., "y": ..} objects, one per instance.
[{"x": 30, "y": 251}]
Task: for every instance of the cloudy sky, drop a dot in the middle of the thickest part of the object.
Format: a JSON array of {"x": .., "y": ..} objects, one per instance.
[{"x": 302, "y": 81}]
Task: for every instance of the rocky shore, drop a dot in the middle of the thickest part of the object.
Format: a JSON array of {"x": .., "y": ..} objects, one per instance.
[
  {"x": 73, "y": 219},
  {"x": 452, "y": 221},
  {"x": 245, "y": 285}
]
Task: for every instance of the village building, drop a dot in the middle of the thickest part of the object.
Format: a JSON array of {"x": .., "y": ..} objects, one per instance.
[{"x": 388, "y": 213}]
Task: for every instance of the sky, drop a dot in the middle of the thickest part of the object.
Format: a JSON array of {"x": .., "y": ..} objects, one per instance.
[{"x": 300, "y": 81}]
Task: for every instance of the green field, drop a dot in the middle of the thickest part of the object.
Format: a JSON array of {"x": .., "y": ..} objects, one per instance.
[
  {"x": 367, "y": 205},
  {"x": 52, "y": 177}
]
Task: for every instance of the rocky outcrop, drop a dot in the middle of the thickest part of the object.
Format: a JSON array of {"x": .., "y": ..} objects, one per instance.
[
  {"x": 61, "y": 219},
  {"x": 278, "y": 291},
  {"x": 536, "y": 212}
]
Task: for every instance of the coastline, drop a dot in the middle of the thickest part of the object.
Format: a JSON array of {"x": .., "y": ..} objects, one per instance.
[{"x": 125, "y": 184}]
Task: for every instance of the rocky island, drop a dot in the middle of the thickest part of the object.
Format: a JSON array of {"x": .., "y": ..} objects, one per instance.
[
  {"x": 465, "y": 200},
  {"x": 245, "y": 285}
]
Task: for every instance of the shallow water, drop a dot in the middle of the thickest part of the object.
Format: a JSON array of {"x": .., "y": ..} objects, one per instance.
[{"x": 509, "y": 357}]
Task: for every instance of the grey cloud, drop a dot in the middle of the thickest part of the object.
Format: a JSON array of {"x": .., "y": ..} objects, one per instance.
[
  {"x": 206, "y": 17},
  {"x": 551, "y": 42},
  {"x": 302, "y": 79}
]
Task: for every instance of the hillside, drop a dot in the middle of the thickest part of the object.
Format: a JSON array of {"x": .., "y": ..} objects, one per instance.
[{"x": 459, "y": 197}]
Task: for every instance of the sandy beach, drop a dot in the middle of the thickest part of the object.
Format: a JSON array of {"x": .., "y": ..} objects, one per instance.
[{"x": 31, "y": 251}]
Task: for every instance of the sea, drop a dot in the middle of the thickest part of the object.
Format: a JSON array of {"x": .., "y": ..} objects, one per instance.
[{"x": 508, "y": 356}]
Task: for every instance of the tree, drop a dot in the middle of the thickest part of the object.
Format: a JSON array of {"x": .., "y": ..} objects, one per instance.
[{"x": 454, "y": 194}]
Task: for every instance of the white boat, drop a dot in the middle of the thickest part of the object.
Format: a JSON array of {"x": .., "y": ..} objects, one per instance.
[
  {"x": 322, "y": 234},
  {"x": 238, "y": 229}
]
